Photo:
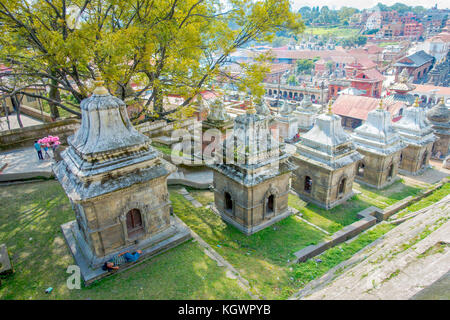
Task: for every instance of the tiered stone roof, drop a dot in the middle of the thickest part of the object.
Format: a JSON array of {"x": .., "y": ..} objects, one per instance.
[
  {"x": 377, "y": 135},
  {"x": 106, "y": 153},
  {"x": 256, "y": 155},
  {"x": 414, "y": 127},
  {"x": 439, "y": 116},
  {"x": 327, "y": 143}
]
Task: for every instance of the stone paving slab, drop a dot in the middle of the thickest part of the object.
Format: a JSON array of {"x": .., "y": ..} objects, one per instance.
[
  {"x": 388, "y": 269},
  {"x": 5, "y": 263},
  {"x": 23, "y": 164},
  {"x": 27, "y": 121},
  {"x": 196, "y": 204}
]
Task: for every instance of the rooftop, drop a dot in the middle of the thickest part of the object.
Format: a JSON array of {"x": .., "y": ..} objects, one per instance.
[{"x": 358, "y": 107}]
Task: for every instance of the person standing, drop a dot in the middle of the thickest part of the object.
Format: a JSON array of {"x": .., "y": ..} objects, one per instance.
[
  {"x": 37, "y": 146},
  {"x": 47, "y": 156}
]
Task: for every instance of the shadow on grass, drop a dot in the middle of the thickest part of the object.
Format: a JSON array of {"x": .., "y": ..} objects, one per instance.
[
  {"x": 30, "y": 219},
  {"x": 261, "y": 258}
]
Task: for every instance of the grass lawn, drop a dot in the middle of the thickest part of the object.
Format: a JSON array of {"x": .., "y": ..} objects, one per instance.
[
  {"x": 388, "y": 196},
  {"x": 30, "y": 219},
  {"x": 425, "y": 202},
  {"x": 261, "y": 258},
  {"x": 332, "y": 31},
  {"x": 346, "y": 213},
  {"x": 309, "y": 270},
  {"x": 387, "y": 43}
]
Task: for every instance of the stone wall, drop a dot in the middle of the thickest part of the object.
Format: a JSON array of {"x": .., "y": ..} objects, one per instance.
[
  {"x": 35, "y": 113},
  {"x": 376, "y": 169},
  {"x": 249, "y": 204},
  {"x": 369, "y": 217},
  {"x": 23, "y": 137},
  {"x": 102, "y": 220},
  {"x": 325, "y": 183},
  {"x": 161, "y": 127},
  {"x": 412, "y": 158}
]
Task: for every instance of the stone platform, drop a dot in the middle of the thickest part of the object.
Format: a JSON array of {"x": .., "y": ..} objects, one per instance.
[
  {"x": 176, "y": 234},
  {"x": 23, "y": 164},
  {"x": 251, "y": 230},
  {"x": 5, "y": 263}
]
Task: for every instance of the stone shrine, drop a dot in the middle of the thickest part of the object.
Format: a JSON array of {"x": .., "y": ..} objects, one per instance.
[
  {"x": 117, "y": 185},
  {"x": 381, "y": 147},
  {"x": 399, "y": 91},
  {"x": 286, "y": 121},
  {"x": 439, "y": 116},
  {"x": 262, "y": 108},
  {"x": 306, "y": 113},
  {"x": 251, "y": 182},
  {"x": 417, "y": 133},
  {"x": 217, "y": 116},
  {"x": 326, "y": 158}
]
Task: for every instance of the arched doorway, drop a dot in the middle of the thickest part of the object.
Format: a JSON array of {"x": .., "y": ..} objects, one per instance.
[
  {"x": 424, "y": 159},
  {"x": 270, "y": 92},
  {"x": 135, "y": 226},
  {"x": 228, "y": 202},
  {"x": 360, "y": 170},
  {"x": 390, "y": 171},
  {"x": 341, "y": 188},
  {"x": 308, "y": 184},
  {"x": 270, "y": 204}
]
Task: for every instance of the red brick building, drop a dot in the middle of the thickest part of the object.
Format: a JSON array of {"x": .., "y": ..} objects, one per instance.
[
  {"x": 363, "y": 75},
  {"x": 417, "y": 65},
  {"x": 413, "y": 30}
]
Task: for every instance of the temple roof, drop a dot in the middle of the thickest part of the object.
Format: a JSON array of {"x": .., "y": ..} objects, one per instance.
[
  {"x": 402, "y": 85},
  {"x": 251, "y": 155},
  {"x": 439, "y": 113},
  {"x": 414, "y": 127},
  {"x": 439, "y": 116},
  {"x": 377, "y": 135},
  {"x": 327, "y": 143},
  {"x": 106, "y": 153},
  {"x": 415, "y": 60}
]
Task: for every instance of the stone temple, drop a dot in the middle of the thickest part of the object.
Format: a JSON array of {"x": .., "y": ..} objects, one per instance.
[
  {"x": 417, "y": 133},
  {"x": 306, "y": 113},
  {"x": 286, "y": 121},
  {"x": 439, "y": 116},
  {"x": 326, "y": 158},
  {"x": 117, "y": 185},
  {"x": 381, "y": 147},
  {"x": 251, "y": 182}
]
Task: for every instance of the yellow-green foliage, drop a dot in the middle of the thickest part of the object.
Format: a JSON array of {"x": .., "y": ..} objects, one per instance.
[{"x": 169, "y": 47}]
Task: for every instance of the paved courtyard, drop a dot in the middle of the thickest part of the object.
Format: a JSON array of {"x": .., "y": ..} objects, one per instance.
[
  {"x": 14, "y": 124},
  {"x": 24, "y": 163}
]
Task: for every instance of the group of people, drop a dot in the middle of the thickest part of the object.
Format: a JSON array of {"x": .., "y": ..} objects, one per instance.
[{"x": 45, "y": 146}]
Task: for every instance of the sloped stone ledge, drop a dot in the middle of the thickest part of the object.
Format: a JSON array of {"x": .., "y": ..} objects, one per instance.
[{"x": 369, "y": 217}]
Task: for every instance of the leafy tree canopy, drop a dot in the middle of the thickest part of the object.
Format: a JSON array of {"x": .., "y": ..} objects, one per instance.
[{"x": 173, "y": 46}]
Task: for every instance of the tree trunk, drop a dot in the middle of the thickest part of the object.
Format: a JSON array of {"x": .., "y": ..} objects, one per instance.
[
  {"x": 16, "y": 106},
  {"x": 54, "y": 95}
]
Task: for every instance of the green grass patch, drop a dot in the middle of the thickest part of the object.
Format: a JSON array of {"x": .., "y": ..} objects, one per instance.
[
  {"x": 425, "y": 202},
  {"x": 163, "y": 148},
  {"x": 30, "y": 219},
  {"x": 330, "y": 220},
  {"x": 261, "y": 258},
  {"x": 310, "y": 270},
  {"x": 332, "y": 31},
  {"x": 388, "y": 196}
]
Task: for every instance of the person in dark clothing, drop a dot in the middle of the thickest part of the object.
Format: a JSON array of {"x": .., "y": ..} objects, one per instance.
[{"x": 122, "y": 258}]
